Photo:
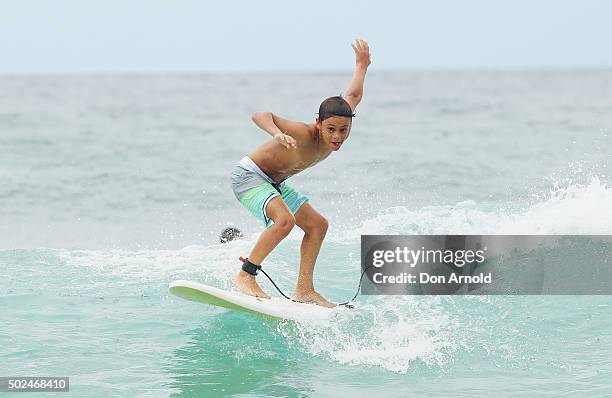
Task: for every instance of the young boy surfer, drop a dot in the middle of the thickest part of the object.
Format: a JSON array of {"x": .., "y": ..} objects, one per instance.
[{"x": 258, "y": 181}]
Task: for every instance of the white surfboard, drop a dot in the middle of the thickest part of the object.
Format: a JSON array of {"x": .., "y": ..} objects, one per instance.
[{"x": 275, "y": 307}]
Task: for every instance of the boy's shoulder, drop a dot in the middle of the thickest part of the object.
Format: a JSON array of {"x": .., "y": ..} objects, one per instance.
[
  {"x": 305, "y": 133},
  {"x": 312, "y": 137},
  {"x": 313, "y": 131}
]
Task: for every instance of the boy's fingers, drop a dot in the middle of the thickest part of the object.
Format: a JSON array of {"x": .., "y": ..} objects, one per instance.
[
  {"x": 364, "y": 44},
  {"x": 288, "y": 142}
]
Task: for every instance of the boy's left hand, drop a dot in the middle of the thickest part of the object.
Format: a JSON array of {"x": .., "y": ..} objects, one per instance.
[{"x": 362, "y": 52}]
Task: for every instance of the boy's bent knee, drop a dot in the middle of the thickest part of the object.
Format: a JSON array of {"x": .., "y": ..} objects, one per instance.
[
  {"x": 321, "y": 226},
  {"x": 324, "y": 224},
  {"x": 285, "y": 223},
  {"x": 316, "y": 227}
]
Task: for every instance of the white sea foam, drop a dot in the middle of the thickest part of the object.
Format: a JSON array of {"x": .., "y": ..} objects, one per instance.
[
  {"x": 574, "y": 209},
  {"x": 388, "y": 332},
  {"x": 211, "y": 264}
]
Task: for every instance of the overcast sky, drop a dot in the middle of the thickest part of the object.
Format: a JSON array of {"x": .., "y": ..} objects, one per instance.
[{"x": 65, "y": 36}]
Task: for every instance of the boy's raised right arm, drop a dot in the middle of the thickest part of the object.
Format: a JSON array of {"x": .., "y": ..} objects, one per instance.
[{"x": 354, "y": 91}]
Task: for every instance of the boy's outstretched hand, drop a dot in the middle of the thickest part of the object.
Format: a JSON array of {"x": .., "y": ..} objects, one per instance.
[{"x": 362, "y": 52}]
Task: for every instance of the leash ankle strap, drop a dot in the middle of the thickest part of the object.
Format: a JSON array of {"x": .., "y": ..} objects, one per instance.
[{"x": 249, "y": 267}]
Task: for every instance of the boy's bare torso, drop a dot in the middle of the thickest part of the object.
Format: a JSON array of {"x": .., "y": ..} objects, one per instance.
[{"x": 280, "y": 163}]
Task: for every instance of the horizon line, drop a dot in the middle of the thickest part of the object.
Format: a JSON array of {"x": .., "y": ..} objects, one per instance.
[{"x": 455, "y": 68}]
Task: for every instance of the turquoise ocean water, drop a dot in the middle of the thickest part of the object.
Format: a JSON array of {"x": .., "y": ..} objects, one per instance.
[{"x": 113, "y": 186}]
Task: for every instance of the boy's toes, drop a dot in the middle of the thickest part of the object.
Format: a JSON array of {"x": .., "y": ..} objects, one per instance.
[
  {"x": 314, "y": 298},
  {"x": 261, "y": 294}
]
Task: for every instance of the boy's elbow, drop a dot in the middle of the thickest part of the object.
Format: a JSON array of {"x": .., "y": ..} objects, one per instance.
[
  {"x": 354, "y": 97},
  {"x": 257, "y": 115},
  {"x": 353, "y": 101}
]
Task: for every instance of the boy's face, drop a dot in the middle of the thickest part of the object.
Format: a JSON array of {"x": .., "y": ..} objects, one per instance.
[{"x": 334, "y": 131}]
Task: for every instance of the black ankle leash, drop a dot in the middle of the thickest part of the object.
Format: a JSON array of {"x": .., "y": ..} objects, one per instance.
[{"x": 254, "y": 269}]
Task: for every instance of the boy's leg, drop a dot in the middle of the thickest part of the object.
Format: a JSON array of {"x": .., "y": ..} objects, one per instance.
[
  {"x": 314, "y": 226},
  {"x": 284, "y": 221}
]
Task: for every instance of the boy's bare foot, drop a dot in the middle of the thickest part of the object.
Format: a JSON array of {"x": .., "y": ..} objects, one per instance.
[
  {"x": 248, "y": 285},
  {"x": 312, "y": 296}
]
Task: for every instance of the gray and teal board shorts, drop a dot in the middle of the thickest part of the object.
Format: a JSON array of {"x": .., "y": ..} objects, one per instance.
[{"x": 254, "y": 189}]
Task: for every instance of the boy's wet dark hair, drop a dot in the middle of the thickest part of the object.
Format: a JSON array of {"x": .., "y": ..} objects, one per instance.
[{"x": 334, "y": 106}]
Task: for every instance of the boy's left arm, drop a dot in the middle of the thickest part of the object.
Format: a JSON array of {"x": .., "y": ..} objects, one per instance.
[{"x": 354, "y": 91}]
